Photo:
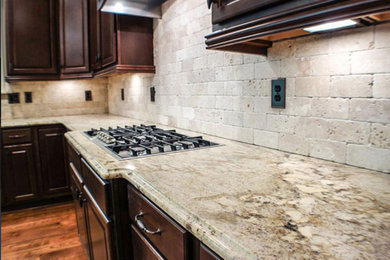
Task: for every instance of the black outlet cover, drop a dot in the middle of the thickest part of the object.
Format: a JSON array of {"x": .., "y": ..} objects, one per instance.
[
  {"x": 88, "y": 95},
  {"x": 27, "y": 97},
  {"x": 122, "y": 94},
  {"x": 278, "y": 93},
  {"x": 13, "y": 98},
  {"x": 152, "y": 94}
]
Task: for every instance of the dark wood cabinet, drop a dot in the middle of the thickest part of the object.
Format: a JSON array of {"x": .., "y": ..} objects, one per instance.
[
  {"x": 206, "y": 254},
  {"x": 103, "y": 37},
  {"x": 108, "y": 46},
  {"x": 251, "y": 26},
  {"x": 33, "y": 166},
  {"x": 79, "y": 205},
  {"x": 99, "y": 229},
  {"x": 73, "y": 37},
  {"x": 91, "y": 203},
  {"x": 164, "y": 234},
  {"x": 67, "y": 39},
  {"x": 31, "y": 37},
  {"x": 142, "y": 249},
  {"x": 19, "y": 179},
  {"x": 54, "y": 174}
]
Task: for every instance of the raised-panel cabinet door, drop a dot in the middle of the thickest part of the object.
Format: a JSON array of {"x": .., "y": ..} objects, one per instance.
[
  {"x": 107, "y": 39},
  {"x": 31, "y": 37},
  {"x": 94, "y": 35},
  {"x": 79, "y": 206},
  {"x": 99, "y": 230},
  {"x": 54, "y": 176},
  {"x": 18, "y": 174},
  {"x": 74, "y": 46}
]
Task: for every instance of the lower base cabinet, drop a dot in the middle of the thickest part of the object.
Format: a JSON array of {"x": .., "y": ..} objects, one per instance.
[
  {"x": 18, "y": 176},
  {"x": 33, "y": 166},
  {"x": 76, "y": 186},
  {"x": 99, "y": 227},
  {"x": 116, "y": 221},
  {"x": 94, "y": 226},
  {"x": 142, "y": 249}
]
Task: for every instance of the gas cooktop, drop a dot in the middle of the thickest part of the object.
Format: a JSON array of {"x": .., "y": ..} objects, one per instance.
[{"x": 138, "y": 141}]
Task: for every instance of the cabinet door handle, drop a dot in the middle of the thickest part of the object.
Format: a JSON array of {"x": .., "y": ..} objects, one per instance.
[
  {"x": 16, "y": 136},
  {"x": 81, "y": 199},
  {"x": 142, "y": 226}
]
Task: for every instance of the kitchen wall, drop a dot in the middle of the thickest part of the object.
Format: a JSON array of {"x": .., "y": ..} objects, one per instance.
[
  {"x": 53, "y": 98},
  {"x": 338, "y": 89}
]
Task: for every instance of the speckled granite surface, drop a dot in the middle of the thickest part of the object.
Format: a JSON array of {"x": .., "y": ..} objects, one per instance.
[{"x": 249, "y": 202}]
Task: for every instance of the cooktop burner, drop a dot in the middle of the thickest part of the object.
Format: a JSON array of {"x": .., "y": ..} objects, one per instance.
[{"x": 137, "y": 141}]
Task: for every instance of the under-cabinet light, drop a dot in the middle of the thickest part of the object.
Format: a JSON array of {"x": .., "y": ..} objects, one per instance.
[
  {"x": 118, "y": 7},
  {"x": 330, "y": 26}
]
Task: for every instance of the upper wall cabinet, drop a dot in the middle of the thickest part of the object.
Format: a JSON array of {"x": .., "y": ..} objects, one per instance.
[
  {"x": 69, "y": 39},
  {"x": 103, "y": 37},
  {"x": 73, "y": 38},
  {"x": 123, "y": 44},
  {"x": 250, "y": 26},
  {"x": 31, "y": 38}
]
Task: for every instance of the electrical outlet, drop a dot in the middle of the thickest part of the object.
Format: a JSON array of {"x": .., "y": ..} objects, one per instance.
[
  {"x": 88, "y": 95},
  {"x": 152, "y": 94},
  {"x": 278, "y": 93},
  {"x": 122, "y": 94},
  {"x": 13, "y": 98},
  {"x": 27, "y": 97}
]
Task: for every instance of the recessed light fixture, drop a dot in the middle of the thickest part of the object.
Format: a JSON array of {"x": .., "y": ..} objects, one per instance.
[{"x": 330, "y": 26}]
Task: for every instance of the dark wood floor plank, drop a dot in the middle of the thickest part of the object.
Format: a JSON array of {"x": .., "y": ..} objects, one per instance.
[{"x": 48, "y": 232}]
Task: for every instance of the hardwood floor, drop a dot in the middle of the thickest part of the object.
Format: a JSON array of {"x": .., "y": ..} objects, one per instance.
[{"x": 48, "y": 232}]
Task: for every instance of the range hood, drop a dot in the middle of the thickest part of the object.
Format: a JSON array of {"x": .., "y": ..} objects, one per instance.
[{"x": 143, "y": 8}]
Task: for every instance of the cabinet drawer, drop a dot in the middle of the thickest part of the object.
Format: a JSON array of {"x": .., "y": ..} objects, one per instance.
[
  {"x": 142, "y": 249},
  {"x": 97, "y": 186},
  {"x": 17, "y": 136},
  {"x": 165, "y": 234}
]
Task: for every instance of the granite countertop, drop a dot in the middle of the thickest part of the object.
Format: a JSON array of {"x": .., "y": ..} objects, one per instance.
[{"x": 249, "y": 202}]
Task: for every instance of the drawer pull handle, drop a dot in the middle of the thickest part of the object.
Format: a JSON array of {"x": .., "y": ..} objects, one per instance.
[
  {"x": 141, "y": 225},
  {"x": 16, "y": 136}
]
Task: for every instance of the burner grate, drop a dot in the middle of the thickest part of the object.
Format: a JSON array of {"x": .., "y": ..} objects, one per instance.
[{"x": 138, "y": 141}]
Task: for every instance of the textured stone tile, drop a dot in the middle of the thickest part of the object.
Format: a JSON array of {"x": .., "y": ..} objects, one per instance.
[
  {"x": 297, "y": 106},
  {"x": 328, "y": 150},
  {"x": 352, "y": 40},
  {"x": 369, "y": 157},
  {"x": 255, "y": 120},
  {"x": 349, "y": 131},
  {"x": 266, "y": 138},
  {"x": 267, "y": 70},
  {"x": 293, "y": 144},
  {"x": 380, "y": 135},
  {"x": 375, "y": 110},
  {"x": 381, "y": 87},
  {"x": 295, "y": 67},
  {"x": 311, "y": 45},
  {"x": 333, "y": 64},
  {"x": 330, "y": 107},
  {"x": 312, "y": 86},
  {"x": 351, "y": 86},
  {"x": 313, "y": 128},
  {"x": 282, "y": 123},
  {"x": 371, "y": 61},
  {"x": 382, "y": 35}
]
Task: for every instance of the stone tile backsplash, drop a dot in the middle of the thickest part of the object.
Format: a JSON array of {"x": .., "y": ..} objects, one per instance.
[
  {"x": 52, "y": 98},
  {"x": 338, "y": 89}
]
